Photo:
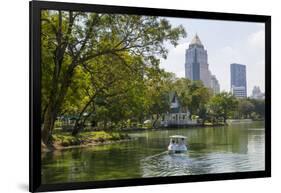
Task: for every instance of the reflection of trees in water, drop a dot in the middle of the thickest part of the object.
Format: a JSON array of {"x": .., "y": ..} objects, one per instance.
[
  {"x": 233, "y": 140},
  {"x": 211, "y": 150},
  {"x": 95, "y": 163}
]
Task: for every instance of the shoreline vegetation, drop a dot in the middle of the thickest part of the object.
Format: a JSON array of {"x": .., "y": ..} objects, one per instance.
[{"x": 64, "y": 140}]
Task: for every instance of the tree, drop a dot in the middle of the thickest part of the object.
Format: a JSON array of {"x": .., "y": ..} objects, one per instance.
[
  {"x": 193, "y": 94},
  {"x": 73, "y": 40},
  {"x": 222, "y": 105},
  {"x": 109, "y": 85},
  {"x": 199, "y": 94},
  {"x": 259, "y": 107},
  {"x": 203, "y": 113},
  {"x": 181, "y": 86},
  {"x": 158, "y": 90},
  {"x": 245, "y": 108}
]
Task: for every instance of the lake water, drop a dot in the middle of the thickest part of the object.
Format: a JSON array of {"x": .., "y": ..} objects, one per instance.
[{"x": 235, "y": 148}]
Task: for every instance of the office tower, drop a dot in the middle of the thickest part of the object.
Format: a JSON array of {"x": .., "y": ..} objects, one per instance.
[{"x": 238, "y": 80}]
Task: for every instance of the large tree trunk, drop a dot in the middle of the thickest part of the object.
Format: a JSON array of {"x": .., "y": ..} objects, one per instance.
[
  {"x": 49, "y": 121},
  {"x": 55, "y": 102},
  {"x": 78, "y": 124},
  {"x": 43, "y": 114},
  {"x": 56, "y": 95}
]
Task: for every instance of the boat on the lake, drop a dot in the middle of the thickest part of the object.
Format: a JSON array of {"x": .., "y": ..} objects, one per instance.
[{"x": 177, "y": 144}]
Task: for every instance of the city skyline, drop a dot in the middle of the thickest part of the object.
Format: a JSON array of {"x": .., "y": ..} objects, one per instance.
[{"x": 226, "y": 42}]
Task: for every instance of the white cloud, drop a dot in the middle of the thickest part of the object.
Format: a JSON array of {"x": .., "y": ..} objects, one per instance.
[
  {"x": 257, "y": 39},
  {"x": 176, "y": 60},
  {"x": 229, "y": 52}
]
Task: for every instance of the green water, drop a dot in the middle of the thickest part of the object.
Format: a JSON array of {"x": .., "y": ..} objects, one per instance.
[{"x": 236, "y": 148}]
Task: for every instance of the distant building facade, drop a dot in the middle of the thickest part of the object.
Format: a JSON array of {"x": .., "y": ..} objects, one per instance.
[
  {"x": 196, "y": 65},
  {"x": 215, "y": 84},
  {"x": 238, "y": 82},
  {"x": 239, "y": 91},
  {"x": 257, "y": 94}
]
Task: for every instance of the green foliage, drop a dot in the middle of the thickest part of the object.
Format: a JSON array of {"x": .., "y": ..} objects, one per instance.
[
  {"x": 245, "y": 108},
  {"x": 222, "y": 105},
  {"x": 96, "y": 65},
  {"x": 182, "y": 87},
  {"x": 66, "y": 139},
  {"x": 158, "y": 88},
  {"x": 259, "y": 108},
  {"x": 250, "y": 108},
  {"x": 193, "y": 94}
]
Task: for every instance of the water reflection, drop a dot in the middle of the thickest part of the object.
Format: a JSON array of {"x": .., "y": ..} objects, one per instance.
[{"x": 235, "y": 148}]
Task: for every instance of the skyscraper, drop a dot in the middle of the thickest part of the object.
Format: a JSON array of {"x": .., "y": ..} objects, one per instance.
[
  {"x": 238, "y": 82},
  {"x": 196, "y": 65},
  {"x": 215, "y": 84},
  {"x": 256, "y": 93}
]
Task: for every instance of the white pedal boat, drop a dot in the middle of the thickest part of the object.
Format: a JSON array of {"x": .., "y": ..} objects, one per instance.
[{"x": 177, "y": 144}]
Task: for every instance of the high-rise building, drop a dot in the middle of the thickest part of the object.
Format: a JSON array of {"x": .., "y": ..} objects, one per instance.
[
  {"x": 196, "y": 65},
  {"x": 215, "y": 84},
  {"x": 238, "y": 82},
  {"x": 257, "y": 94}
]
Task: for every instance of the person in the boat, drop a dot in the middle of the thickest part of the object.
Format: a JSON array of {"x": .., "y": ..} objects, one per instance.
[
  {"x": 172, "y": 145},
  {"x": 181, "y": 144}
]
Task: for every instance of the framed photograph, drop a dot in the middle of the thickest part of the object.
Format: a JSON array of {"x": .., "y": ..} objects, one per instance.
[{"x": 126, "y": 96}]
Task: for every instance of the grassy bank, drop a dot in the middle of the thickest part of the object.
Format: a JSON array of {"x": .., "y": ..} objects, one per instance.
[{"x": 65, "y": 139}]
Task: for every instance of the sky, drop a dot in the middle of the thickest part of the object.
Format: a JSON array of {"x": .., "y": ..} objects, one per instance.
[{"x": 226, "y": 42}]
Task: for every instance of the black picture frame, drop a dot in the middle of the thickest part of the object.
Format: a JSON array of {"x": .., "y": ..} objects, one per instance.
[{"x": 35, "y": 95}]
